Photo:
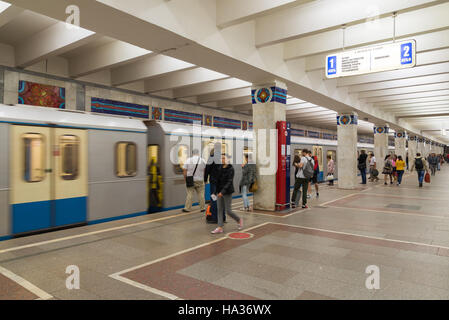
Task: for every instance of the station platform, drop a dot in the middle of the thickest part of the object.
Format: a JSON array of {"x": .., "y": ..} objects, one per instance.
[{"x": 317, "y": 253}]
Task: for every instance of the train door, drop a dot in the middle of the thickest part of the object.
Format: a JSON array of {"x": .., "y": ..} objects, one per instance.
[
  {"x": 155, "y": 188},
  {"x": 69, "y": 176},
  {"x": 48, "y": 177}
]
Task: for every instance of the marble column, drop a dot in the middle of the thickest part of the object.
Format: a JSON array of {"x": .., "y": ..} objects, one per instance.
[
  {"x": 420, "y": 146},
  {"x": 269, "y": 106},
  {"x": 347, "y": 150},
  {"x": 412, "y": 149},
  {"x": 380, "y": 145},
  {"x": 400, "y": 139}
]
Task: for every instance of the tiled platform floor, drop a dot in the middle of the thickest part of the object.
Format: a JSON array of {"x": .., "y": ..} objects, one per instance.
[{"x": 319, "y": 253}]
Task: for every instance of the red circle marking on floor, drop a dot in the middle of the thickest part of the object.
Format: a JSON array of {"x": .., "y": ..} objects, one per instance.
[{"x": 240, "y": 235}]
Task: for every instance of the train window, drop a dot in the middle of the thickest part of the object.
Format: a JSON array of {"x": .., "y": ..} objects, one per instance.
[
  {"x": 34, "y": 157},
  {"x": 182, "y": 158},
  {"x": 126, "y": 159},
  {"x": 69, "y": 146}
]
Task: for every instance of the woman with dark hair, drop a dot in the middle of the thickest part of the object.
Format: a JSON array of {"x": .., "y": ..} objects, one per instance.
[
  {"x": 225, "y": 189},
  {"x": 248, "y": 178},
  {"x": 388, "y": 169},
  {"x": 400, "y": 167},
  {"x": 295, "y": 196}
]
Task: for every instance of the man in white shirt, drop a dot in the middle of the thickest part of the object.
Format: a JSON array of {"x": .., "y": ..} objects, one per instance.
[
  {"x": 372, "y": 166},
  {"x": 195, "y": 166}
]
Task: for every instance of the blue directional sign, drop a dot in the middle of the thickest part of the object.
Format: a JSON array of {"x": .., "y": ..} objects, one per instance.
[
  {"x": 331, "y": 65},
  {"x": 406, "y": 53}
]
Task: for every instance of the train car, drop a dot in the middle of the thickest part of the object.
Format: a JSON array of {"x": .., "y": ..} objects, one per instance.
[
  {"x": 169, "y": 146},
  {"x": 321, "y": 148},
  {"x": 62, "y": 168}
]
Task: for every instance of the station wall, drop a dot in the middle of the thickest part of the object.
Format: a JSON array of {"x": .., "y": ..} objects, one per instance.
[{"x": 79, "y": 93}]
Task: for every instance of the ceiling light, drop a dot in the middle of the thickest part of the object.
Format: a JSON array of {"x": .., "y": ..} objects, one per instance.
[{"x": 4, "y": 6}]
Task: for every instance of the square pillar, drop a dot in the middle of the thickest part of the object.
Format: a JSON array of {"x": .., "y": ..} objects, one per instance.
[
  {"x": 347, "y": 150},
  {"x": 380, "y": 145},
  {"x": 412, "y": 148},
  {"x": 400, "y": 139},
  {"x": 269, "y": 106}
]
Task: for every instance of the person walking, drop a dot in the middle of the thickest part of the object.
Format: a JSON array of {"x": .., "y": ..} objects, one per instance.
[
  {"x": 330, "y": 169},
  {"x": 248, "y": 178},
  {"x": 433, "y": 163},
  {"x": 421, "y": 168},
  {"x": 406, "y": 161},
  {"x": 400, "y": 167},
  {"x": 393, "y": 164},
  {"x": 305, "y": 173},
  {"x": 225, "y": 189},
  {"x": 194, "y": 168},
  {"x": 296, "y": 189},
  {"x": 211, "y": 173},
  {"x": 362, "y": 165},
  {"x": 372, "y": 167},
  {"x": 388, "y": 169}
]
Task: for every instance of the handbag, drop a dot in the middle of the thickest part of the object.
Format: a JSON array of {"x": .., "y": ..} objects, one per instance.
[
  {"x": 330, "y": 177},
  {"x": 254, "y": 187},
  {"x": 427, "y": 177},
  {"x": 189, "y": 179}
]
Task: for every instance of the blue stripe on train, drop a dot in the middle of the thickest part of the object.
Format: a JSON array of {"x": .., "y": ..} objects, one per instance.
[
  {"x": 70, "y": 211},
  {"x": 34, "y": 216},
  {"x": 31, "y": 216}
]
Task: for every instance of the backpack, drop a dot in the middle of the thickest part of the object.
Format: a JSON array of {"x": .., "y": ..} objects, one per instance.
[
  {"x": 418, "y": 164},
  {"x": 308, "y": 170}
]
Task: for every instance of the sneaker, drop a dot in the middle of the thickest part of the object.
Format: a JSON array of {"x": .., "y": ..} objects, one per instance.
[
  {"x": 293, "y": 206},
  {"x": 204, "y": 210},
  {"x": 309, "y": 196},
  {"x": 305, "y": 206},
  {"x": 317, "y": 194},
  {"x": 385, "y": 184},
  {"x": 241, "y": 224},
  {"x": 184, "y": 210},
  {"x": 217, "y": 230}
]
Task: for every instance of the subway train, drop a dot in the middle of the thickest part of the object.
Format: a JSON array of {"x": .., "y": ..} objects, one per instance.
[{"x": 63, "y": 168}]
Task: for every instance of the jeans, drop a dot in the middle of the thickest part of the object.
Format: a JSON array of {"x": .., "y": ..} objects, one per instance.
[
  {"x": 400, "y": 174},
  {"x": 421, "y": 176},
  {"x": 245, "y": 196},
  {"x": 363, "y": 173},
  {"x": 213, "y": 204},
  {"x": 433, "y": 168},
  {"x": 305, "y": 185},
  {"x": 224, "y": 204}
]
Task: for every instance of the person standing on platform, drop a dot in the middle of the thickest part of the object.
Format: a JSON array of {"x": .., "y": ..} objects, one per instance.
[
  {"x": 406, "y": 161},
  {"x": 330, "y": 169},
  {"x": 194, "y": 168},
  {"x": 248, "y": 178},
  {"x": 400, "y": 167},
  {"x": 388, "y": 169},
  {"x": 296, "y": 189},
  {"x": 393, "y": 164},
  {"x": 362, "y": 165},
  {"x": 314, "y": 180},
  {"x": 211, "y": 173},
  {"x": 372, "y": 167},
  {"x": 305, "y": 173},
  {"x": 421, "y": 168},
  {"x": 225, "y": 189}
]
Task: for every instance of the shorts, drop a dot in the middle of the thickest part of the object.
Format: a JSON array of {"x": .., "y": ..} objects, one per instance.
[{"x": 314, "y": 179}]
